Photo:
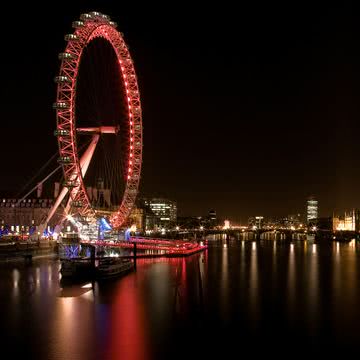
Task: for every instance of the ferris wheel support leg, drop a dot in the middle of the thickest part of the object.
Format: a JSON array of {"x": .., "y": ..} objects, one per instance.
[
  {"x": 84, "y": 165},
  {"x": 85, "y": 162},
  {"x": 53, "y": 209}
]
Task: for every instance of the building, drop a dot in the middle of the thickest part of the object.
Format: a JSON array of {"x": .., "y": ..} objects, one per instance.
[
  {"x": 350, "y": 221},
  {"x": 322, "y": 224},
  {"x": 256, "y": 222},
  {"x": 226, "y": 225},
  {"x": 212, "y": 220},
  {"x": 191, "y": 222},
  {"x": 294, "y": 220},
  {"x": 165, "y": 210},
  {"x": 137, "y": 219},
  {"x": 21, "y": 216},
  {"x": 311, "y": 209}
]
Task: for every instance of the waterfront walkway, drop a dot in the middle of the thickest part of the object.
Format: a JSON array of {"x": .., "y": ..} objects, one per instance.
[
  {"x": 163, "y": 247},
  {"x": 27, "y": 250}
]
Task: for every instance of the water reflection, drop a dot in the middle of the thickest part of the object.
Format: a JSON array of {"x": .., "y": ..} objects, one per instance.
[
  {"x": 224, "y": 295},
  {"x": 128, "y": 334},
  {"x": 253, "y": 286},
  {"x": 298, "y": 292},
  {"x": 312, "y": 289},
  {"x": 291, "y": 286}
]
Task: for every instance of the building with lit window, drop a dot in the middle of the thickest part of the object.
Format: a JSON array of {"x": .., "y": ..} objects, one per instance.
[
  {"x": 21, "y": 216},
  {"x": 165, "y": 210},
  {"x": 349, "y": 222},
  {"x": 256, "y": 222},
  {"x": 136, "y": 218},
  {"x": 311, "y": 209},
  {"x": 212, "y": 220}
]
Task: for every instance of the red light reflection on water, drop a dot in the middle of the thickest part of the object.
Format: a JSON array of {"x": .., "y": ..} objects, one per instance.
[{"x": 128, "y": 335}]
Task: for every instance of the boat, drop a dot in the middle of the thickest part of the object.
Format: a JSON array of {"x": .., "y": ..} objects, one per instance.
[
  {"x": 76, "y": 268},
  {"x": 113, "y": 266}
]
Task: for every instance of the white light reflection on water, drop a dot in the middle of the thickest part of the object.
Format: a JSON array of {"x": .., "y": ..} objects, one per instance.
[
  {"x": 87, "y": 286},
  {"x": 16, "y": 278},
  {"x": 345, "y": 266},
  {"x": 312, "y": 290},
  {"x": 37, "y": 272},
  {"x": 291, "y": 286},
  {"x": 225, "y": 283},
  {"x": 314, "y": 248},
  {"x": 254, "y": 286},
  {"x": 71, "y": 319}
]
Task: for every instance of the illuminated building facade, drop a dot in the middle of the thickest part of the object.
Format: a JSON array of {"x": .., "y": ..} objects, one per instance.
[
  {"x": 21, "y": 216},
  {"x": 226, "y": 224},
  {"x": 256, "y": 222},
  {"x": 311, "y": 209},
  {"x": 165, "y": 210},
  {"x": 349, "y": 222},
  {"x": 136, "y": 218},
  {"x": 212, "y": 220}
]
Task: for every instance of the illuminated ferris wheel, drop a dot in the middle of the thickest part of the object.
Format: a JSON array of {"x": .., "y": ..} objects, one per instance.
[{"x": 99, "y": 121}]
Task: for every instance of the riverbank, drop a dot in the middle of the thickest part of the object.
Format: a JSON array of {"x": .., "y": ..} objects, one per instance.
[{"x": 16, "y": 251}]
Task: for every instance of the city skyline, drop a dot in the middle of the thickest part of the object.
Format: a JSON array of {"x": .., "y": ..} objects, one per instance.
[{"x": 247, "y": 112}]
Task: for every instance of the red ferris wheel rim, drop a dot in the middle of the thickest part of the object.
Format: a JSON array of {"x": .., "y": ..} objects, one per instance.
[{"x": 89, "y": 27}]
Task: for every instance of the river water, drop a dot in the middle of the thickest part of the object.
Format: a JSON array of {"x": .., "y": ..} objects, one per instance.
[{"x": 237, "y": 297}]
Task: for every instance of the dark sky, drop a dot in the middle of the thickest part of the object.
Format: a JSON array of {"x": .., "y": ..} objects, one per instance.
[{"x": 247, "y": 109}]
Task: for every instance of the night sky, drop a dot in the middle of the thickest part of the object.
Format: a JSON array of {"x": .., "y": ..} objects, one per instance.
[{"x": 247, "y": 110}]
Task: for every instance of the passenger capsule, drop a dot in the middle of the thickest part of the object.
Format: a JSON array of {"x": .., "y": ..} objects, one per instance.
[
  {"x": 95, "y": 13},
  {"x": 71, "y": 37},
  {"x": 61, "y": 105},
  {"x": 77, "y": 24},
  {"x": 63, "y": 56},
  {"x": 61, "y": 132},
  {"x": 113, "y": 24},
  {"x": 64, "y": 160},
  {"x": 62, "y": 79},
  {"x": 85, "y": 17}
]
